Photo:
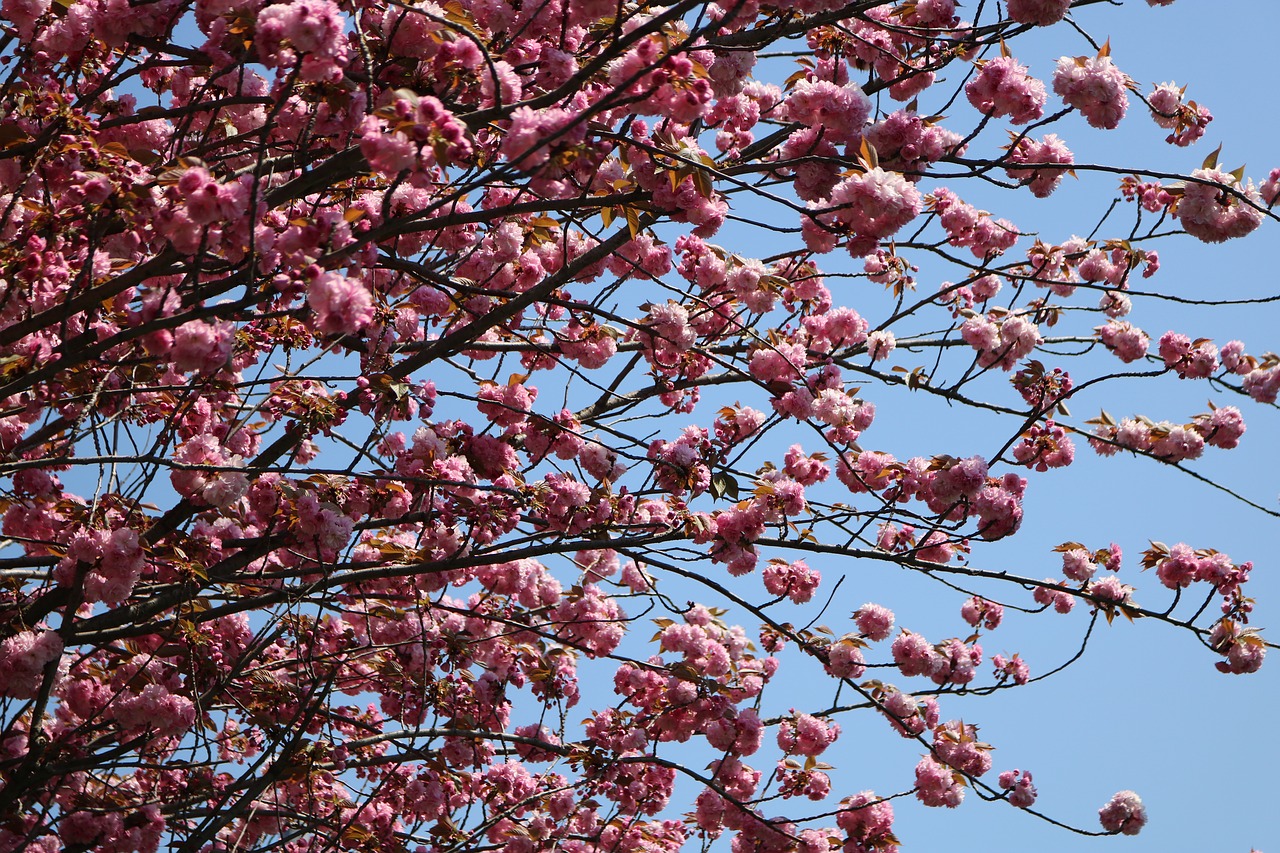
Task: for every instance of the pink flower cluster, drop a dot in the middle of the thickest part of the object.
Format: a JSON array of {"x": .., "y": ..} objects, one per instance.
[
  {"x": 681, "y": 465},
  {"x": 806, "y": 735},
  {"x": 1018, "y": 783},
  {"x": 534, "y": 136},
  {"x": 1041, "y": 178},
  {"x": 1125, "y": 340},
  {"x": 840, "y": 111},
  {"x": 1015, "y": 668},
  {"x": 908, "y": 716},
  {"x": 1095, "y": 87},
  {"x": 1190, "y": 360},
  {"x": 669, "y": 334},
  {"x": 1180, "y": 566},
  {"x": 951, "y": 661},
  {"x": 740, "y": 733},
  {"x": 23, "y": 658},
  {"x": 874, "y": 621},
  {"x": 868, "y": 822},
  {"x": 154, "y": 710},
  {"x": 1079, "y": 564},
  {"x": 591, "y": 620},
  {"x": 1168, "y": 441},
  {"x": 312, "y": 28},
  {"x": 112, "y": 562},
  {"x": 1037, "y": 12},
  {"x": 956, "y": 744},
  {"x": 506, "y": 405},
  {"x": 1124, "y": 813},
  {"x": 1001, "y": 340},
  {"x": 1054, "y": 595},
  {"x": 415, "y": 133},
  {"x": 1187, "y": 121},
  {"x": 342, "y": 304},
  {"x": 844, "y": 658},
  {"x": 868, "y": 206},
  {"x": 905, "y": 142},
  {"x": 937, "y": 784},
  {"x": 203, "y": 347},
  {"x": 1243, "y": 648},
  {"x": 1045, "y": 446},
  {"x": 1215, "y": 206},
  {"x": 795, "y": 580},
  {"x": 951, "y": 487},
  {"x": 979, "y": 611},
  {"x": 967, "y": 226},
  {"x": 1002, "y": 87}
]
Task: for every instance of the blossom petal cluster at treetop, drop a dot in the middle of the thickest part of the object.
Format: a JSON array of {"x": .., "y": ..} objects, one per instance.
[{"x": 376, "y": 376}]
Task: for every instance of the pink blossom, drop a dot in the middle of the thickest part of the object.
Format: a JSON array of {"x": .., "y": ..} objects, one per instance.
[
  {"x": 1094, "y": 86},
  {"x": 342, "y": 305},
  {"x": 872, "y": 205},
  {"x": 937, "y": 784},
  {"x": 806, "y": 470},
  {"x": 1003, "y": 87},
  {"x": 795, "y": 580},
  {"x": 956, "y": 744},
  {"x": 1038, "y": 12},
  {"x": 1053, "y": 595},
  {"x": 978, "y": 611},
  {"x": 840, "y": 111},
  {"x": 1176, "y": 442},
  {"x": 1215, "y": 206},
  {"x": 915, "y": 656},
  {"x": 202, "y": 347},
  {"x": 1243, "y": 648},
  {"x": 1045, "y": 447},
  {"x": 591, "y": 620},
  {"x": 1197, "y": 360},
  {"x": 967, "y": 226},
  {"x": 1262, "y": 384},
  {"x": 880, "y": 344},
  {"x": 24, "y": 14},
  {"x": 313, "y": 28},
  {"x": 1018, "y": 783},
  {"x": 506, "y": 405},
  {"x": 1187, "y": 121},
  {"x": 1077, "y": 564},
  {"x": 154, "y": 710},
  {"x": 1223, "y": 427},
  {"x": 1015, "y": 668},
  {"x": 844, "y": 659},
  {"x": 868, "y": 821},
  {"x": 1180, "y": 568},
  {"x": 23, "y": 658},
  {"x": 747, "y": 733},
  {"x": 1270, "y": 189},
  {"x": 1126, "y": 341},
  {"x": 806, "y": 735},
  {"x": 1109, "y": 590},
  {"x": 874, "y": 621},
  {"x": 216, "y": 480},
  {"x": 1123, "y": 813},
  {"x": 909, "y": 143},
  {"x": 1043, "y": 180},
  {"x": 534, "y": 135}
]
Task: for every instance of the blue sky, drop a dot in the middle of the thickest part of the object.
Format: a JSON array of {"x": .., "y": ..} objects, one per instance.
[{"x": 1144, "y": 709}]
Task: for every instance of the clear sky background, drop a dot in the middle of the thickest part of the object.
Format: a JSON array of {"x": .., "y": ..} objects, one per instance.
[{"x": 1144, "y": 709}]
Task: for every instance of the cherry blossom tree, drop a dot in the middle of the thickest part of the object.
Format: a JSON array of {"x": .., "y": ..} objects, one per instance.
[{"x": 393, "y": 459}]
